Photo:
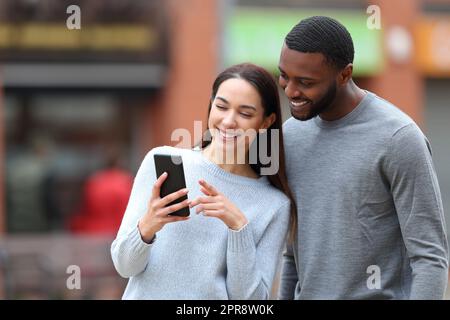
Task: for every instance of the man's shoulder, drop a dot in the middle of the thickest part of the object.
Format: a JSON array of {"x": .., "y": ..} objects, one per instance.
[
  {"x": 386, "y": 116},
  {"x": 379, "y": 116},
  {"x": 393, "y": 125}
]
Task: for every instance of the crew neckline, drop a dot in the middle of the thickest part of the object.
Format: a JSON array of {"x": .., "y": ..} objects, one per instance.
[
  {"x": 217, "y": 171},
  {"x": 348, "y": 117}
]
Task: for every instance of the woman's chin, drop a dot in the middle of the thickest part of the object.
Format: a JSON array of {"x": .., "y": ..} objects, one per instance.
[{"x": 230, "y": 149}]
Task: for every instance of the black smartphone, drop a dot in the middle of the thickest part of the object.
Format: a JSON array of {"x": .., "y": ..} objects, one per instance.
[{"x": 175, "y": 181}]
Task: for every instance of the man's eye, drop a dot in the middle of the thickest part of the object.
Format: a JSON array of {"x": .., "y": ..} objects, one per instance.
[
  {"x": 283, "y": 76},
  {"x": 306, "y": 84},
  {"x": 246, "y": 115}
]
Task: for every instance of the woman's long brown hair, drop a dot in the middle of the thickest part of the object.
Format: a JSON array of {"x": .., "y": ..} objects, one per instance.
[{"x": 265, "y": 84}]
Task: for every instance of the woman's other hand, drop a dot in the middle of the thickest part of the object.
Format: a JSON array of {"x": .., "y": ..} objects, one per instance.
[{"x": 215, "y": 204}]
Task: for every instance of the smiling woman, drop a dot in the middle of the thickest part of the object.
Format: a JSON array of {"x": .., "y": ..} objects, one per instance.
[
  {"x": 236, "y": 114},
  {"x": 231, "y": 250}
]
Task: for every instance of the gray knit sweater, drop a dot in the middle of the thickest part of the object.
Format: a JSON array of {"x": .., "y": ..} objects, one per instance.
[
  {"x": 202, "y": 258},
  {"x": 371, "y": 222}
]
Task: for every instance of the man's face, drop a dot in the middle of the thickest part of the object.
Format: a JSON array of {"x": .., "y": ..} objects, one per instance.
[{"x": 308, "y": 81}]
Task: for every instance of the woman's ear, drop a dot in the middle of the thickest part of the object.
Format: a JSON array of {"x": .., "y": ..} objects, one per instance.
[{"x": 268, "y": 121}]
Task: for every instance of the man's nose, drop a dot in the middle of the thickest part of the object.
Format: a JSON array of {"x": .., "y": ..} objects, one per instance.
[{"x": 291, "y": 90}]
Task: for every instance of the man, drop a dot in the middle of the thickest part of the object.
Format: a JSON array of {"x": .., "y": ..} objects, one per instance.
[{"x": 370, "y": 217}]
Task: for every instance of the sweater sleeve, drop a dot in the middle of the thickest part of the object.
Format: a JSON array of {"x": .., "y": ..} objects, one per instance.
[
  {"x": 417, "y": 199},
  {"x": 251, "y": 267},
  {"x": 128, "y": 251},
  {"x": 289, "y": 276}
]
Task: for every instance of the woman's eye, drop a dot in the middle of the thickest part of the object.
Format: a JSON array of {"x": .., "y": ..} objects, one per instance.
[
  {"x": 221, "y": 107},
  {"x": 246, "y": 115}
]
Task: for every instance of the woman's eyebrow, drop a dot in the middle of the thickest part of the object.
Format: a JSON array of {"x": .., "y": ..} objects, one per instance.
[
  {"x": 223, "y": 99},
  {"x": 247, "y": 107}
]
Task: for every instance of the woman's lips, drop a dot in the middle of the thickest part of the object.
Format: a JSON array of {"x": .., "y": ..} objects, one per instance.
[{"x": 227, "y": 136}]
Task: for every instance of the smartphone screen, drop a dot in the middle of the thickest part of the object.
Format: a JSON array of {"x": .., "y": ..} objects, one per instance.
[{"x": 175, "y": 181}]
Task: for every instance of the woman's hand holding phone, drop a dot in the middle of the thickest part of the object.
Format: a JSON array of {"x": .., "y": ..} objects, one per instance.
[
  {"x": 215, "y": 204},
  {"x": 157, "y": 214}
]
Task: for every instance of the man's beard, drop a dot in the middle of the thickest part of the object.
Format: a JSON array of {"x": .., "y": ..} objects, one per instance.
[{"x": 320, "y": 106}]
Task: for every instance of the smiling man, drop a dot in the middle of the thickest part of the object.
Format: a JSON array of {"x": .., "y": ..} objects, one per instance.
[{"x": 370, "y": 217}]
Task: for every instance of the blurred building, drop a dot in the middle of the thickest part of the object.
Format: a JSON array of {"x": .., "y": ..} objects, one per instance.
[
  {"x": 137, "y": 70},
  {"x": 134, "y": 72}
]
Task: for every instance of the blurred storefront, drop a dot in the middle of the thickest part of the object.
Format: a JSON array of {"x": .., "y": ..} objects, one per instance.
[
  {"x": 432, "y": 34},
  {"x": 135, "y": 71},
  {"x": 70, "y": 95}
]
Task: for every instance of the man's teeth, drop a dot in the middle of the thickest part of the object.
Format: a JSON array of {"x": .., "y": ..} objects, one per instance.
[{"x": 299, "y": 104}]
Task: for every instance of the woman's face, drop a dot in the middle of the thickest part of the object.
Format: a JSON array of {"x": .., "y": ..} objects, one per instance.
[{"x": 236, "y": 116}]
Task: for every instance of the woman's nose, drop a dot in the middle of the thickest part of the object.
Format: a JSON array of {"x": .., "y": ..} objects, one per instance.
[{"x": 229, "y": 121}]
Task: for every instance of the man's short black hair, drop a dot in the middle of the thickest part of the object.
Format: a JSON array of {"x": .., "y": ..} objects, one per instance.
[{"x": 324, "y": 35}]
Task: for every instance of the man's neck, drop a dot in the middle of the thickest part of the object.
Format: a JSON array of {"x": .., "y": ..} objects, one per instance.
[{"x": 346, "y": 101}]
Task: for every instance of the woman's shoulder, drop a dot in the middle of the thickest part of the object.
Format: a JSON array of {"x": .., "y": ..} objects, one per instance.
[
  {"x": 276, "y": 197},
  {"x": 282, "y": 204},
  {"x": 168, "y": 150},
  {"x": 187, "y": 155},
  {"x": 272, "y": 204}
]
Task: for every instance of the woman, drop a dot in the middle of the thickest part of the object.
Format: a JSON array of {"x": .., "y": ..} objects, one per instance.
[{"x": 231, "y": 250}]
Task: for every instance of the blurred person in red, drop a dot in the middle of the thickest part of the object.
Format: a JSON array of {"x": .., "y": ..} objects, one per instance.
[{"x": 104, "y": 200}]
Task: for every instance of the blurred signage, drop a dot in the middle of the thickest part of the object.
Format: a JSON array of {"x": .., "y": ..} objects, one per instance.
[
  {"x": 257, "y": 35},
  {"x": 432, "y": 35},
  {"x": 111, "y": 31}
]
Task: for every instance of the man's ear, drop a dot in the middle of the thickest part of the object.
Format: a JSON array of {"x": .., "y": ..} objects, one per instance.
[
  {"x": 268, "y": 121},
  {"x": 346, "y": 74}
]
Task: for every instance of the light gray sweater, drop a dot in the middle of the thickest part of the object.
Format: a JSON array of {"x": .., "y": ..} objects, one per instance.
[
  {"x": 371, "y": 223},
  {"x": 202, "y": 258}
]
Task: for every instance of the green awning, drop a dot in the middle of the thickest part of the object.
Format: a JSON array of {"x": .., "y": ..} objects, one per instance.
[{"x": 256, "y": 35}]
